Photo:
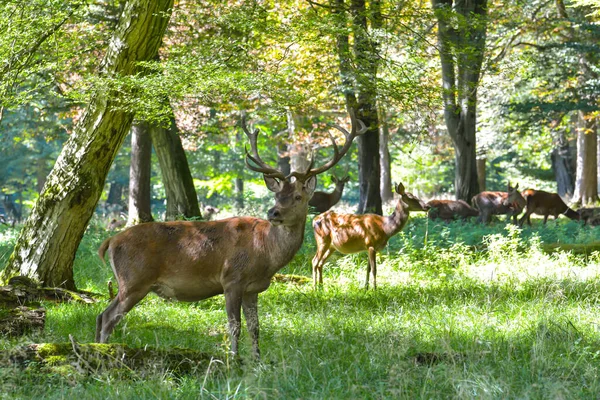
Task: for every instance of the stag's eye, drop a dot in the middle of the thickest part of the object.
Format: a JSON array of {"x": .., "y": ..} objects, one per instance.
[{"x": 298, "y": 197}]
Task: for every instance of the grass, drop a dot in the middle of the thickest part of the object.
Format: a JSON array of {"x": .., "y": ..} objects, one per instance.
[{"x": 468, "y": 312}]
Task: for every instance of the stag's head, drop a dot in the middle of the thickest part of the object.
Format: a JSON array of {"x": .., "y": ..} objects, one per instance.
[
  {"x": 293, "y": 191},
  {"x": 340, "y": 182}
]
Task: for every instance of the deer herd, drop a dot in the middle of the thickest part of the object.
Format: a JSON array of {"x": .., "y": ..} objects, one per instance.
[{"x": 237, "y": 257}]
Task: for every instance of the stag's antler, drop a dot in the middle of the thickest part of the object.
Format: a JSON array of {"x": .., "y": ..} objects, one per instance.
[
  {"x": 337, "y": 154},
  {"x": 262, "y": 166},
  {"x": 310, "y": 171}
]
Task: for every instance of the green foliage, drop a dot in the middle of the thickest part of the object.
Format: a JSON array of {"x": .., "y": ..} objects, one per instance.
[{"x": 462, "y": 310}]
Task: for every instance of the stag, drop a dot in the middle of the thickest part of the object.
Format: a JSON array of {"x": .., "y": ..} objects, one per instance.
[
  {"x": 510, "y": 202},
  {"x": 546, "y": 204},
  {"x": 349, "y": 233},
  {"x": 237, "y": 257},
  {"x": 322, "y": 201}
]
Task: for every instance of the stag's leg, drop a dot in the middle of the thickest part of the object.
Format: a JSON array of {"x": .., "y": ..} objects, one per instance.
[
  {"x": 233, "y": 306},
  {"x": 116, "y": 310},
  {"x": 324, "y": 250},
  {"x": 373, "y": 266},
  {"x": 525, "y": 217},
  {"x": 250, "y": 307}
]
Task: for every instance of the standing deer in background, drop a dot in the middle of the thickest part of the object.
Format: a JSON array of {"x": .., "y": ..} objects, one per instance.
[
  {"x": 322, "y": 201},
  {"x": 349, "y": 233},
  {"x": 237, "y": 257},
  {"x": 496, "y": 203},
  {"x": 450, "y": 210},
  {"x": 546, "y": 204}
]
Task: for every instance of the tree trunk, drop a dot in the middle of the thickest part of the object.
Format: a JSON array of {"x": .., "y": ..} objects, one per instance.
[
  {"x": 47, "y": 243},
  {"x": 461, "y": 52},
  {"x": 384, "y": 159},
  {"x": 586, "y": 181},
  {"x": 239, "y": 193},
  {"x": 139, "y": 209},
  {"x": 298, "y": 150},
  {"x": 115, "y": 193},
  {"x": 563, "y": 171},
  {"x": 359, "y": 90},
  {"x": 177, "y": 178}
]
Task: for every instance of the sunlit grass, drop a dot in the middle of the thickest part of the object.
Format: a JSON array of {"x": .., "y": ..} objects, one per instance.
[{"x": 470, "y": 312}]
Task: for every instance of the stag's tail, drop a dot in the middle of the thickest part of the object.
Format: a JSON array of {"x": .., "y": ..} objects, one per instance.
[{"x": 103, "y": 248}]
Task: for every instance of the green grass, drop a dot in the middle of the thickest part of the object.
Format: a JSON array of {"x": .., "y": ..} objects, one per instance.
[{"x": 469, "y": 312}]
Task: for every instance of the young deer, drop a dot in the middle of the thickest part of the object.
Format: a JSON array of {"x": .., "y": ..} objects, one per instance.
[
  {"x": 494, "y": 203},
  {"x": 237, "y": 257},
  {"x": 322, "y": 201},
  {"x": 349, "y": 233}
]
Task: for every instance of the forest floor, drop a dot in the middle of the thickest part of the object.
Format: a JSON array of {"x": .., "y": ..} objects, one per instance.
[{"x": 461, "y": 311}]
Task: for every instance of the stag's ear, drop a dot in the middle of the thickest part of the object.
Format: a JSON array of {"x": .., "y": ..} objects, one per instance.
[
  {"x": 310, "y": 185},
  {"x": 400, "y": 189},
  {"x": 516, "y": 186},
  {"x": 273, "y": 184}
]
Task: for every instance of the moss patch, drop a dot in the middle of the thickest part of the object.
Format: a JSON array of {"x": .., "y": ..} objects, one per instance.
[{"x": 103, "y": 358}]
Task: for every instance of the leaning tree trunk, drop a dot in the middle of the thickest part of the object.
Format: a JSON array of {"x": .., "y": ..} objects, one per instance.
[
  {"x": 586, "y": 181},
  {"x": 177, "y": 178},
  {"x": 47, "y": 243},
  {"x": 139, "y": 209},
  {"x": 461, "y": 52}
]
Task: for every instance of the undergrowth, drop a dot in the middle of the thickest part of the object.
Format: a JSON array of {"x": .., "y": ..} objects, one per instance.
[{"x": 461, "y": 311}]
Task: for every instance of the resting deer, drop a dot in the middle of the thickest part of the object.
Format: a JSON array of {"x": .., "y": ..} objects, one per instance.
[
  {"x": 546, "y": 204},
  {"x": 450, "y": 210},
  {"x": 494, "y": 203},
  {"x": 349, "y": 233},
  {"x": 237, "y": 257},
  {"x": 322, "y": 201}
]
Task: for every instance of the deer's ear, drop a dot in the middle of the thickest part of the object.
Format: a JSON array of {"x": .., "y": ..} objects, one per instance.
[
  {"x": 310, "y": 185},
  {"x": 516, "y": 186},
  {"x": 273, "y": 184},
  {"x": 400, "y": 189}
]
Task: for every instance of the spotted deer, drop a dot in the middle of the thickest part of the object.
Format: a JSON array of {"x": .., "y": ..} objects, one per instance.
[{"x": 350, "y": 233}]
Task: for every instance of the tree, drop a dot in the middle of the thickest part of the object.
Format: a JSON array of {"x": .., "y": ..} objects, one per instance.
[
  {"x": 358, "y": 70},
  {"x": 174, "y": 168},
  {"x": 462, "y": 29},
  {"x": 46, "y": 246},
  {"x": 139, "y": 175}
]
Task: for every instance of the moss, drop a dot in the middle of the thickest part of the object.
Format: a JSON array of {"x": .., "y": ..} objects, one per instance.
[
  {"x": 56, "y": 360},
  {"x": 45, "y": 350}
]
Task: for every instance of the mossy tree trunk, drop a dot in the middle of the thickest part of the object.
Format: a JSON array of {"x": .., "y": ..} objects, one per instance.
[{"x": 47, "y": 243}]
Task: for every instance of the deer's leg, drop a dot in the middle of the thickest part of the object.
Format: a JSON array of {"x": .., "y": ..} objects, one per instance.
[
  {"x": 546, "y": 218},
  {"x": 525, "y": 217},
  {"x": 116, "y": 310},
  {"x": 323, "y": 252},
  {"x": 250, "y": 307},
  {"x": 373, "y": 265},
  {"x": 233, "y": 306}
]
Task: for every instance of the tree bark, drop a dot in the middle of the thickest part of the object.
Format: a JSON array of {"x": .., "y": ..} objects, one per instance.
[
  {"x": 461, "y": 53},
  {"x": 563, "y": 171},
  {"x": 481, "y": 167},
  {"x": 358, "y": 86},
  {"x": 115, "y": 193},
  {"x": 139, "y": 209},
  {"x": 47, "y": 243},
  {"x": 586, "y": 181},
  {"x": 177, "y": 178},
  {"x": 384, "y": 159}
]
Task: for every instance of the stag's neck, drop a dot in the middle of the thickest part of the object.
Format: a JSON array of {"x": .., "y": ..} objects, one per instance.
[
  {"x": 572, "y": 214},
  {"x": 394, "y": 223},
  {"x": 337, "y": 194},
  {"x": 282, "y": 243}
]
